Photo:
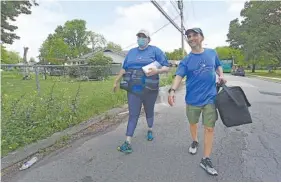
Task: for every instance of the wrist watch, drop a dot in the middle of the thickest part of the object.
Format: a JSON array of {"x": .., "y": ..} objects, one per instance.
[{"x": 171, "y": 89}]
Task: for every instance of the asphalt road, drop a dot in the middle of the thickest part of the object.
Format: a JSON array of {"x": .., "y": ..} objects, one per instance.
[{"x": 246, "y": 153}]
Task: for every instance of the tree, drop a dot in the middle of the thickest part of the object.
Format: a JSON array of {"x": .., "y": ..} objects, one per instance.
[
  {"x": 98, "y": 42},
  {"x": 4, "y": 54},
  {"x": 226, "y": 52},
  {"x": 100, "y": 59},
  {"x": 176, "y": 54},
  {"x": 70, "y": 40},
  {"x": 258, "y": 34},
  {"x": 113, "y": 46},
  {"x": 9, "y": 57},
  {"x": 12, "y": 57},
  {"x": 32, "y": 60},
  {"x": 76, "y": 36},
  {"x": 9, "y": 11},
  {"x": 54, "y": 50}
]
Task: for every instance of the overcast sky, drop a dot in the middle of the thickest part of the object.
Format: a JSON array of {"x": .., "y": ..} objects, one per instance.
[{"x": 119, "y": 21}]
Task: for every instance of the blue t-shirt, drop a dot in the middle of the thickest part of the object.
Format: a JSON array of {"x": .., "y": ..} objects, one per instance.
[
  {"x": 200, "y": 70},
  {"x": 137, "y": 58}
]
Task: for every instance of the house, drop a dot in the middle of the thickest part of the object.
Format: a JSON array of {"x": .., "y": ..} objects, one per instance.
[{"x": 117, "y": 57}]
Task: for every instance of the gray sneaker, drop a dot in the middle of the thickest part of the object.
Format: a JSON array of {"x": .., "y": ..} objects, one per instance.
[
  {"x": 207, "y": 165},
  {"x": 193, "y": 147}
]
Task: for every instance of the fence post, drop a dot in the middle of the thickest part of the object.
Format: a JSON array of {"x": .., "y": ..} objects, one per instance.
[{"x": 37, "y": 80}]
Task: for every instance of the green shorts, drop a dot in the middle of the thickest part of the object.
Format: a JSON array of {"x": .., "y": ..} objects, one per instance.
[{"x": 209, "y": 114}]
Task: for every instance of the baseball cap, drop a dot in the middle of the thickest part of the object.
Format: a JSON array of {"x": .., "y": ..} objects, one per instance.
[
  {"x": 196, "y": 30},
  {"x": 145, "y": 32}
]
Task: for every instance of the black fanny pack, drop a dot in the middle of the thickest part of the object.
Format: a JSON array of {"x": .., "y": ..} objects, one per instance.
[{"x": 137, "y": 82}]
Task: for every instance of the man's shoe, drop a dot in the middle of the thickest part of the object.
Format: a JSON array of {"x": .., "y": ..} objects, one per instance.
[
  {"x": 193, "y": 147},
  {"x": 207, "y": 165}
]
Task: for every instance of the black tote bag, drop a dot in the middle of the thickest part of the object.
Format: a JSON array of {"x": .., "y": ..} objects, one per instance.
[{"x": 233, "y": 106}]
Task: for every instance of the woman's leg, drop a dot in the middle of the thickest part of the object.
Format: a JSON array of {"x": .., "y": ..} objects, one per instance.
[
  {"x": 149, "y": 103},
  {"x": 134, "y": 103}
]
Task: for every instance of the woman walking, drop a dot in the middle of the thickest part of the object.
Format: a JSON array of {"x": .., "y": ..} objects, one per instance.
[{"x": 142, "y": 85}]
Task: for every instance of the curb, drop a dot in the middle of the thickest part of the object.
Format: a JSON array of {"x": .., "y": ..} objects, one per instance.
[
  {"x": 29, "y": 150},
  {"x": 267, "y": 77},
  {"x": 24, "y": 152},
  {"x": 276, "y": 80}
]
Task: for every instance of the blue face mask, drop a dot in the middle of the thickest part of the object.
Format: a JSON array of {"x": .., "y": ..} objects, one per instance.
[{"x": 142, "y": 42}]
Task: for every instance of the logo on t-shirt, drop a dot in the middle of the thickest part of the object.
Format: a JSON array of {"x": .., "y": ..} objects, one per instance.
[{"x": 202, "y": 67}]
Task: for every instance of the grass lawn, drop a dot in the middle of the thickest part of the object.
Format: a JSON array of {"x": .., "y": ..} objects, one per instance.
[
  {"x": 27, "y": 117},
  {"x": 275, "y": 74}
]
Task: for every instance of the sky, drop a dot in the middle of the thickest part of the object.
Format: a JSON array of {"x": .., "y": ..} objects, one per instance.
[{"x": 119, "y": 21}]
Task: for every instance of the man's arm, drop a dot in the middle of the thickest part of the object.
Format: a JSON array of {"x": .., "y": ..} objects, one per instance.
[
  {"x": 180, "y": 74},
  {"x": 218, "y": 66},
  {"x": 219, "y": 71},
  {"x": 176, "y": 82}
]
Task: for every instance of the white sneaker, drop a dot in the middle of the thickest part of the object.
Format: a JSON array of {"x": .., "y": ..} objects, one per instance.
[{"x": 193, "y": 147}]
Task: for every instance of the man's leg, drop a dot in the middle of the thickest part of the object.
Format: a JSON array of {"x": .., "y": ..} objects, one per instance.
[
  {"x": 210, "y": 117},
  {"x": 149, "y": 103},
  {"x": 193, "y": 114},
  {"x": 134, "y": 104}
]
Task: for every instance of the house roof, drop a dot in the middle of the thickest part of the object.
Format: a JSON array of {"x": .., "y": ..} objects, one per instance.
[{"x": 91, "y": 54}]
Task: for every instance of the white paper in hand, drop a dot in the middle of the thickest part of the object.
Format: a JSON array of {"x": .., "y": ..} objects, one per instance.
[{"x": 154, "y": 65}]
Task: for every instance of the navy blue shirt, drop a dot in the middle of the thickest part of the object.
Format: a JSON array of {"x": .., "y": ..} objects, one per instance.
[
  {"x": 137, "y": 58},
  {"x": 200, "y": 70}
]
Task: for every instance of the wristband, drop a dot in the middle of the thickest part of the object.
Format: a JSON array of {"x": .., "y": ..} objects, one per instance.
[{"x": 171, "y": 89}]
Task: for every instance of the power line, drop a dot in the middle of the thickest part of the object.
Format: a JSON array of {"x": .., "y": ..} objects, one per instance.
[
  {"x": 165, "y": 14},
  {"x": 175, "y": 7},
  {"x": 165, "y": 25}
]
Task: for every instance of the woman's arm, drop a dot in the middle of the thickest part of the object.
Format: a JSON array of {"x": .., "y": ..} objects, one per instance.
[
  {"x": 163, "y": 70},
  {"x": 119, "y": 76},
  {"x": 162, "y": 59}
]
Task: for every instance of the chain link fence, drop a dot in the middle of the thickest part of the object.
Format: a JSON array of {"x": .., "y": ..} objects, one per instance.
[
  {"x": 39, "y": 100},
  {"x": 59, "y": 72}
]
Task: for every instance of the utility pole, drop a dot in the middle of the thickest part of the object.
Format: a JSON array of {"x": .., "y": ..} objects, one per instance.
[
  {"x": 180, "y": 6},
  {"x": 180, "y": 29}
]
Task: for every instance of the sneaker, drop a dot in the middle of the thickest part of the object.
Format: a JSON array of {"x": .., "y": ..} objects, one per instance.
[
  {"x": 207, "y": 165},
  {"x": 193, "y": 148},
  {"x": 149, "y": 135},
  {"x": 125, "y": 148}
]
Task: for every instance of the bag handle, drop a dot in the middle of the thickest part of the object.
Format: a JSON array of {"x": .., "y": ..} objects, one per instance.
[{"x": 227, "y": 90}]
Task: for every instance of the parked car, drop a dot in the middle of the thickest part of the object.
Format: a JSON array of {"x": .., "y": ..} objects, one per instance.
[{"x": 239, "y": 72}]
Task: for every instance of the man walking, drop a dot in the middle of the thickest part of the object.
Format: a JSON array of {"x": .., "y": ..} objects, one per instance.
[{"x": 200, "y": 68}]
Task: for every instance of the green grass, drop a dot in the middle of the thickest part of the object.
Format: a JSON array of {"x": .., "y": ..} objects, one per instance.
[
  {"x": 167, "y": 79},
  {"x": 28, "y": 117},
  {"x": 275, "y": 73}
]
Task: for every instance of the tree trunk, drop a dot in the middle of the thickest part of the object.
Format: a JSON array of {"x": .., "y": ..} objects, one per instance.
[
  {"x": 254, "y": 68},
  {"x": 26, "y": 74}
]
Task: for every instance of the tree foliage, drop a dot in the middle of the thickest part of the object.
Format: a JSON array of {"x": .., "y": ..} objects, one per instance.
[
  {"x": 54, "y": 50},
  {"x": 9, "y": 57},
  {"x": 73, "y": 40},
  {"x": 258, "y": 34},
  {"x": 225, "y": 52},
  {"x": 97, "y": 41},
  {"x": 113, "y": 46},
  {"x": 100, "y": 59},
  {"x": 176, "y": 54},
  {"x": 10, "y": 10}
]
